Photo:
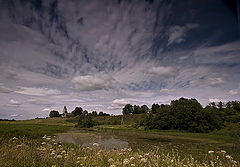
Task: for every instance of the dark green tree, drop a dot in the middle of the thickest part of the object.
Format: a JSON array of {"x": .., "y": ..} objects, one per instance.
[
  {"x": 100, "y": 113},
  {"x": 54, "y": 113},
  {"x": 77, "y": 111},
  {"x": 144, "y": 109},
  {"x": 155, "y": 108},
  {"x": 136, "y": 109},
  {"x": 94, "y": 113},
  {"x": 128, "y": 109}
]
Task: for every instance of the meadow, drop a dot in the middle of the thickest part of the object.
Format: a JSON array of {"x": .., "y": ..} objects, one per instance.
[{"x": 36, "y": 143}]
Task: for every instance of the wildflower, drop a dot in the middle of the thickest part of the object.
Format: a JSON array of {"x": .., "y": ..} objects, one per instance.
[
  {"x": 126, "y": 162},
  {"x": 132, "y": 164},
  {"x": 53, "y": 140},
  {"x": 95, "y": 144},
  {"x": 44, "y": 137},
  {"x": 77, "y": 162},
  {"x": 140, "y": 156},
  {"x": 228, "y": 157},
  {"x": 48, "y": 138},
  {"x": 147, "y": 154},
  {"x": 63, "y": 152},
  {"x": 52, "y": 153},
  {"x": 14, "y": 138},
  {"x": 132, "y": 158},
  {"x": 20, "y": 145},
  {"x": 43, "y": 143},
  {"x": 110, "y": 160},
  {"x": 143, "y": 160},
  {"x": 112, "y": 166},
  {"x": 129, "y": 149},
  {"x": 59, "y": 156},
  {"x": 54, "y": 143},
  {"x": 54, "y": 166},
  {"x": 223, "y": 151},
  {"x": 78, "y": 158},
  {"x": 43, "y": 149},
  {"x": 59, "y": 145},
  {"x": 210, "y": 152}
]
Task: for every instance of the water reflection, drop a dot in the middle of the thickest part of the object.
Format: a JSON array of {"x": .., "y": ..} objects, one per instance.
[{"x": 86, "y": 139}]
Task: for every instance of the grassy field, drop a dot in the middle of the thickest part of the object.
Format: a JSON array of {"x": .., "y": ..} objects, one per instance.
[{"x": 33, "y": 143}]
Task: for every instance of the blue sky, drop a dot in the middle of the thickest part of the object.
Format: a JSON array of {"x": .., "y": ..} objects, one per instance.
[{"x": 101, "y": 55}]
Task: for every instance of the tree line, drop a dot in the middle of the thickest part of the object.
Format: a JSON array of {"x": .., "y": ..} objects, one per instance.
[
  {"x": 186, "y": 114},
  {"x": 78, "y": 111}
]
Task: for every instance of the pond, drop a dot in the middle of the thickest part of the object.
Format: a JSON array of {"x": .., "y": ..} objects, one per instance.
[{"x": 114, "y": 139}]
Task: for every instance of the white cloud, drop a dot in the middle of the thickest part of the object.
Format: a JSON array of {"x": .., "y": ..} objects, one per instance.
[
  {"x": 46, "y": 110},
  {"x": 216, "y": 81},
  {"x": 120, "y": 102},
  {"x": 37, "y": 91},
  {"x": 16, "y": 115},
  {"x": 216, "y": 100},
  {"x": 14, "y": 102},
  {"x": 177, "y": 34},
  {"x": 166, "y": 71},
  {"x": 233, "y": 92},
  {"x": 93, "y": 82}
]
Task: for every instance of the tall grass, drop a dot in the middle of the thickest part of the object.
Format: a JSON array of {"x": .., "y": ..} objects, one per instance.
[{"x": 47, "y": 152}]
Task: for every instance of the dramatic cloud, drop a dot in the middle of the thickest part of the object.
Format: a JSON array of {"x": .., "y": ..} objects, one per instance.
[
  {"x": 14, "y": 102},
  {"x": 162, "y": 71},
  {"x": 216, "y": 81},
  {"x": 177, "y": 34},
  {"x": 96, "y": 82},
  {"x": 104, "y": 54}
]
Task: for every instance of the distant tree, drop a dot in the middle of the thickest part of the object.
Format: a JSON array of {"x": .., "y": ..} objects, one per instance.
[
  {"x": 94, "y": 113},
  {"x": 136, "y": 109},
  {"x": 155, "y": 108},
  {"x": 220, "y": 105},
  {"x": 100, "y": 113},
  {"x": 144, "y": 109},
  {"x": 54, "y": 113},
  {"x": 85, "y": 112},
  {"x": 77, "y": 111},
  {"x": 212, "y": 104},
  {"x": 128, "y": 109}
]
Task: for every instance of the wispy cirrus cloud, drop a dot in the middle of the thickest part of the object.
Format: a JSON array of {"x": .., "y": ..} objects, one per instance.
[
  {"x": 177, "y": 34},
  {"x": 37, "y": 91}
]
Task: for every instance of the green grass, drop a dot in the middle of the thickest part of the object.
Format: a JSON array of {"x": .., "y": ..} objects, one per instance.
[
  {"x": 29, "y": 130},
  {"x": 174, "y": 148}
]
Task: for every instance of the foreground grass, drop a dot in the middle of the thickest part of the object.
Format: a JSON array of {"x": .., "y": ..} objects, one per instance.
[
  {"x": 32, "y": 143},
  {"x": 48, "y": 152}
]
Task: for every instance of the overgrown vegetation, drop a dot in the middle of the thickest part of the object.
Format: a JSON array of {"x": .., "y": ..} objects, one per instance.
[{"x": 186, "y": 114}]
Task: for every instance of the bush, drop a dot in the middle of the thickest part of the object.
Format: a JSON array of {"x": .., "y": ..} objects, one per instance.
[{"x": 85, "y": 121}]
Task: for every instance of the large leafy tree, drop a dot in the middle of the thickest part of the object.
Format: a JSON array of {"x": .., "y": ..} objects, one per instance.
[
  {"x": 128, "y": 109},
  {"x": 54, "y": 113},
  {"x": 77, "y": 111}
]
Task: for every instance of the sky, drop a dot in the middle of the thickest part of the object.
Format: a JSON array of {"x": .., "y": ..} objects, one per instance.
[{"x": 103, "y": 54}]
